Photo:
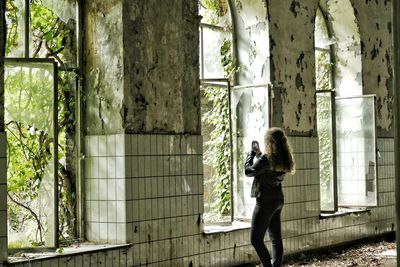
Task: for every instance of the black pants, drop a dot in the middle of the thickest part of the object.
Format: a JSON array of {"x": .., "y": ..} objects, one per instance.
[{"x": 267, "y": 216}]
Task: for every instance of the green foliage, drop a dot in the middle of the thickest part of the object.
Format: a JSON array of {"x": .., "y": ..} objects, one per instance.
[
  {"x": 324, "y": 124},
  {"x": 29, "y": 116},
  {"x": 217, "y": 152}
]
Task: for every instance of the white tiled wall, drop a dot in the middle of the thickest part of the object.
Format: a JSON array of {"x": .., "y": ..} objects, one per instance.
[
  {"x": 3, "y": 198},
  {"x": 105, "y": 200},
  {"x": 147, "y": 190}
]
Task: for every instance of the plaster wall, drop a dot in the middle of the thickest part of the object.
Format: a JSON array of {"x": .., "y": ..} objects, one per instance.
[
  {"x": 161, "y": 67},
  {"x": 252, "y": 42},
  {"x": 374, "y": 20},
  {"x": 291, "y": 28},
  {"x": 104, "y": 66}
]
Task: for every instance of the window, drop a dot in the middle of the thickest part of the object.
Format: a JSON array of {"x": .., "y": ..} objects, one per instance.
[
  {"x": 41, "y": 97},
  {"x": 345, "y": 117},
  {"x": 235, "y": 108},
  {"x": 216, "y": 66}
]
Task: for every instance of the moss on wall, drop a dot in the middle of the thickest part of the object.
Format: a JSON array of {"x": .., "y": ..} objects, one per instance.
[
  {"x": 104, "y": 66},
  {"x": 161, "y": 84}
]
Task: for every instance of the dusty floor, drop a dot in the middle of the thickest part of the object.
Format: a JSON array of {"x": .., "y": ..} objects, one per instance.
[{"x": 371, "y": 254}]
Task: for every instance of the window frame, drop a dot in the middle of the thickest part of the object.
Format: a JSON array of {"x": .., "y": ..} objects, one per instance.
[{"x": 79, "y": 134}]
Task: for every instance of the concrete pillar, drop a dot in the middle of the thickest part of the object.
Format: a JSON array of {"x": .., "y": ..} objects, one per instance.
[{"x": 143, "y": 149}]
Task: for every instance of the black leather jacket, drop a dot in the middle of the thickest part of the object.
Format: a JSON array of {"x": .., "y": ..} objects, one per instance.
[{"x": 266, "y": 183}]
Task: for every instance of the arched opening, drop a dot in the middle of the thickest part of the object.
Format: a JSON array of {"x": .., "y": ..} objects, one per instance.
[
  {"x": 234, "y": 62},
  {"x": 345, "y": 117}
]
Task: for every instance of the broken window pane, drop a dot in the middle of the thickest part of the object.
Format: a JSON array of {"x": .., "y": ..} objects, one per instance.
[
  {"x": 211, "y": 58},
  {"x": 29, "y": 119},
  {"x": 216, "y": 133},
  {"x": 356, "y": 151},
  {"x": 249, "y": 122},
  {"x": 324, "y": 127}
]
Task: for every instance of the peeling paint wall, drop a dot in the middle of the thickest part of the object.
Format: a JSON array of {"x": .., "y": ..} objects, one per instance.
[
  {"x": 251, "y": 30},
  {"x": 104, "y": 66},
  {"x": 161, "y": 65},
  {"x": 293, "y": 64},
  {"x": 374, "y": 19}
]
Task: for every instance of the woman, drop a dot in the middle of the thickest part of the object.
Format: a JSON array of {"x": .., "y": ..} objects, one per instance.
[{"x": 268, "y": 171}]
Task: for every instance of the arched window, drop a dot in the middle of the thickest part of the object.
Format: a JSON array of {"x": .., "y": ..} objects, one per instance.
[
  {"x": 234, "y": 75},
  {"x": 345, "y": 117}
]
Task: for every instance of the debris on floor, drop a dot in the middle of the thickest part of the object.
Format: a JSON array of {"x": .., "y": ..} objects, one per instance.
[{"x": 365, "y": 254}]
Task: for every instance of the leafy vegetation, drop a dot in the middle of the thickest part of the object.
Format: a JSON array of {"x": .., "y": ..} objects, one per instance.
[
  {"x": 324, "y": 124},
  {"x": 28, "y": 125},
  {"x": 217, "y": 150}
]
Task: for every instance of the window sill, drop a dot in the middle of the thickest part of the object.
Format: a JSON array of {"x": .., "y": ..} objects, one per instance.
[
  {"x": 344, "y": 212},
  {"x": 214, "y": 228},
  {"x": 82, "y": 248}
]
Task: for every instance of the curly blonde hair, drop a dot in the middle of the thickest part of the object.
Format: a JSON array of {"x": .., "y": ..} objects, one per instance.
[{"x": 279, "y": 151}]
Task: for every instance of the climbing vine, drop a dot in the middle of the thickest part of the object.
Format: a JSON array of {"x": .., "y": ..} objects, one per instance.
[
  {"x": 29, "y": 146},
  {"x": 217, "y": 152},
  {"x": 324, "y": 116}
]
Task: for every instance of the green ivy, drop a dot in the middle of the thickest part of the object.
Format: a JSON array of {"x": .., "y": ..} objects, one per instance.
[{"x": 30, "y": 147}]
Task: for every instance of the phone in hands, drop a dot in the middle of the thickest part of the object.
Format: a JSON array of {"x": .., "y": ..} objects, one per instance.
[{"x": 255, "y": 148}]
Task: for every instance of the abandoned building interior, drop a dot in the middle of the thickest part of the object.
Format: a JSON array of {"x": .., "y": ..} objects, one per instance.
[{"x": 124, "y": 126}]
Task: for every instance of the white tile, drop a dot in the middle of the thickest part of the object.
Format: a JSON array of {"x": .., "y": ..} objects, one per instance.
[
  {"x": 135, "y": 210},
  {"x": 135, "y": 188},
  {"x": 128, "y": 210},
  {"x": 111, "y": 172},
  {"x": 135, "y": 145},
  {"x": 121, "y": 211},
  {"x": 120, "y": 168},
  {"x": 112, "y": 232},
  {"x": 102, "y": 167},
  {"x": 148, "y": 212},
  {"x": 153, "y": 144},
  {"x": 103, "y": 188},
  {"x": 93, "y": 187},
  {"x": 140, "y": 145},
  {"x": 148, "y": 189},
  {"x": 112, "y": 211},
  {"x": 111, "y": 145},
  {"x": 120, "y": 145},
  {"x": 122, "y": 232},
  {"x": 121, "y": 190},
  {"x": 95, "y": 211},
  {"x": 142, "y": 210},
  {"x": 103, "y": 231},
  {"x": 102, "y": 145},
  {"x": 128, "y": 144},
  {"x": 111, "y": 189},
  {"x": 103, "y": 216},
  {"x": 154, "y": 186},
  {"x": 147, "y": 144}
]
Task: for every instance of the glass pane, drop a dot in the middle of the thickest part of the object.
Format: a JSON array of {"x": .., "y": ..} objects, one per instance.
[
  {"x": 215, "y": 15},
  {"x": 216, "y": 135},
  {"x": 53, "y": 24},
  {"x": 211, "y": 52},
  {"x": 249, "y": 122},
  {"x": 356, "y": 157},
  {"x": 324, "y": 127},
  {"x": 15, "y": 19},
  {"x": 29, "y": 107}
]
